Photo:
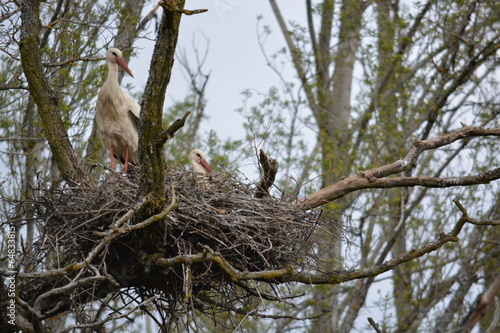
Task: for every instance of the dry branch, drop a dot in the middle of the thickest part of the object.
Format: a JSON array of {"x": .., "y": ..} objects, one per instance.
[
  {"x": 109, "y": 318},
  {"x": 484, "y": 301},
  {"x": 172, "y": 129},
  {"x": 374, "y": 325},
  {"x": 374, "y": 178},
  {"x": 270, "y": 168},
  {"x": 44, "y": 96}
]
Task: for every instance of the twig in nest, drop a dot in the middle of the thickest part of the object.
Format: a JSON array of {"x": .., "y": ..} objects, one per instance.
[
  {"x": 109, "y": 236},
  {"x": 270, "y": 168}
]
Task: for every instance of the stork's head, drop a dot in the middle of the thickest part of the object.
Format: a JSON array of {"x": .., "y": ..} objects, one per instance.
[
  {"x": 115, "y": 56},
  {"x": 199, "y": 163}
]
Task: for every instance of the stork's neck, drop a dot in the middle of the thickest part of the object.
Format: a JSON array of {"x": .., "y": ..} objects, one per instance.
[
  {"x": 198, "y": 168},
  {"x": 112, "y": 74}
]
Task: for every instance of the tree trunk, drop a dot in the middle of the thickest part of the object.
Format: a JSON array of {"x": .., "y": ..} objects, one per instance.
[
  {"x": 150, "y": 125},
  {"x": 45, "y": 98},
  {"x": 334, "y": 102}
]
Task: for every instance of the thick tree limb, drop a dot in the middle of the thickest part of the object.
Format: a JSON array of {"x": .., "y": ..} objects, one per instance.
[
  {"x": 373, "y": 178},
  {"x": 45, "y": 98},
  {"x": 270, "y": 168},
  {"x": 150, "y": 125},
  {"x": 209, "y": 255}
]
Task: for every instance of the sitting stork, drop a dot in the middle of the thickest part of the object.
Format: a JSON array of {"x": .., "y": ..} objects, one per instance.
[
  {"x": 117, "y": 115},
  {"x": 199, "y": 163}
]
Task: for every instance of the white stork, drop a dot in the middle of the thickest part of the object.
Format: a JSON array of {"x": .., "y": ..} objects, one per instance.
[
  {"x": 199, "y": 163},
  {"x": 117, "y": 115}
]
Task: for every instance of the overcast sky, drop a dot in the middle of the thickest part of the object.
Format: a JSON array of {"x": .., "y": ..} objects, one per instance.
[{"x": 234, "y": 57}]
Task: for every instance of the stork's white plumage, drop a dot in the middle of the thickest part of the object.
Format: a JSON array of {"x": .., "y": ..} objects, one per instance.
[
  {"x": 199, "y": 162},
  {"x": 117, "y": 115}
]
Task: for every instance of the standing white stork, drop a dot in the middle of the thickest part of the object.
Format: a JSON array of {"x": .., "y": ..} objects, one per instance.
[
  {"x": 117, "y": 115},
  {"x": 199, "y": 163}
]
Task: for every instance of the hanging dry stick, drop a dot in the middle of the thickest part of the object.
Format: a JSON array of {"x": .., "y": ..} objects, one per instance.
[{"x": 270, "y": 168}]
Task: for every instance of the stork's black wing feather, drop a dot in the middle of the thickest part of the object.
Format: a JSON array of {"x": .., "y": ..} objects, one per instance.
[{"x": 134, "y": 117}]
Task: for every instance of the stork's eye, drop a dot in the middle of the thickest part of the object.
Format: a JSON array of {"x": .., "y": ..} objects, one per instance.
[
  {"x": 198, "y": 155},
  {"x": 114, "y": 53}
]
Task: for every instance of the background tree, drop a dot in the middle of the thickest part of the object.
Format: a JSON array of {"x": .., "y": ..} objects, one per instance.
[
  {"x": 422, "y": 69},
  {"x": 383, "y": 87}
]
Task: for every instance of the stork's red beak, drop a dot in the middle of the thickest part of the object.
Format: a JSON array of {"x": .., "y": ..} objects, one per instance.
[
  {"x": 123, "y": 65},
  {"x": 207, "y": 167}
]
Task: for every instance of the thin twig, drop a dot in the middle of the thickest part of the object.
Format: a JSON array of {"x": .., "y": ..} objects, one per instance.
[
  {"x": 109, "y": 318},
  {"x": 374, "y": 325}
]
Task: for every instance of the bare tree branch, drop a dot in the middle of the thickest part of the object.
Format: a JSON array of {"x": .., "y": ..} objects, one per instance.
[
  {"x": 374, "y": 325},
  {"x": 335, "y": 277},
  {"x": 483, "y": 302},
  {"x": 150, "y": 124},
  {"x": 174, "y": 127},
  {"x": 76, "y": 283},
  {"x": 269, "y": 170},
  {"x": 373, "y": 178},
  {"x": 109, "y": 318},
  {"x": 45, "y": 98},
  {"x": 294, "y": 51}
]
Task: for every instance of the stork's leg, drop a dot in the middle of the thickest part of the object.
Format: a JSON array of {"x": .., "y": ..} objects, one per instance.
[
  {"x": 125, "y": 166},
  {"x": 113, "y": 164}
]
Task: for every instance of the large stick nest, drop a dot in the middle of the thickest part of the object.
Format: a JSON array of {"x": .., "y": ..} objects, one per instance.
[{"x": 217, "y": 213}]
